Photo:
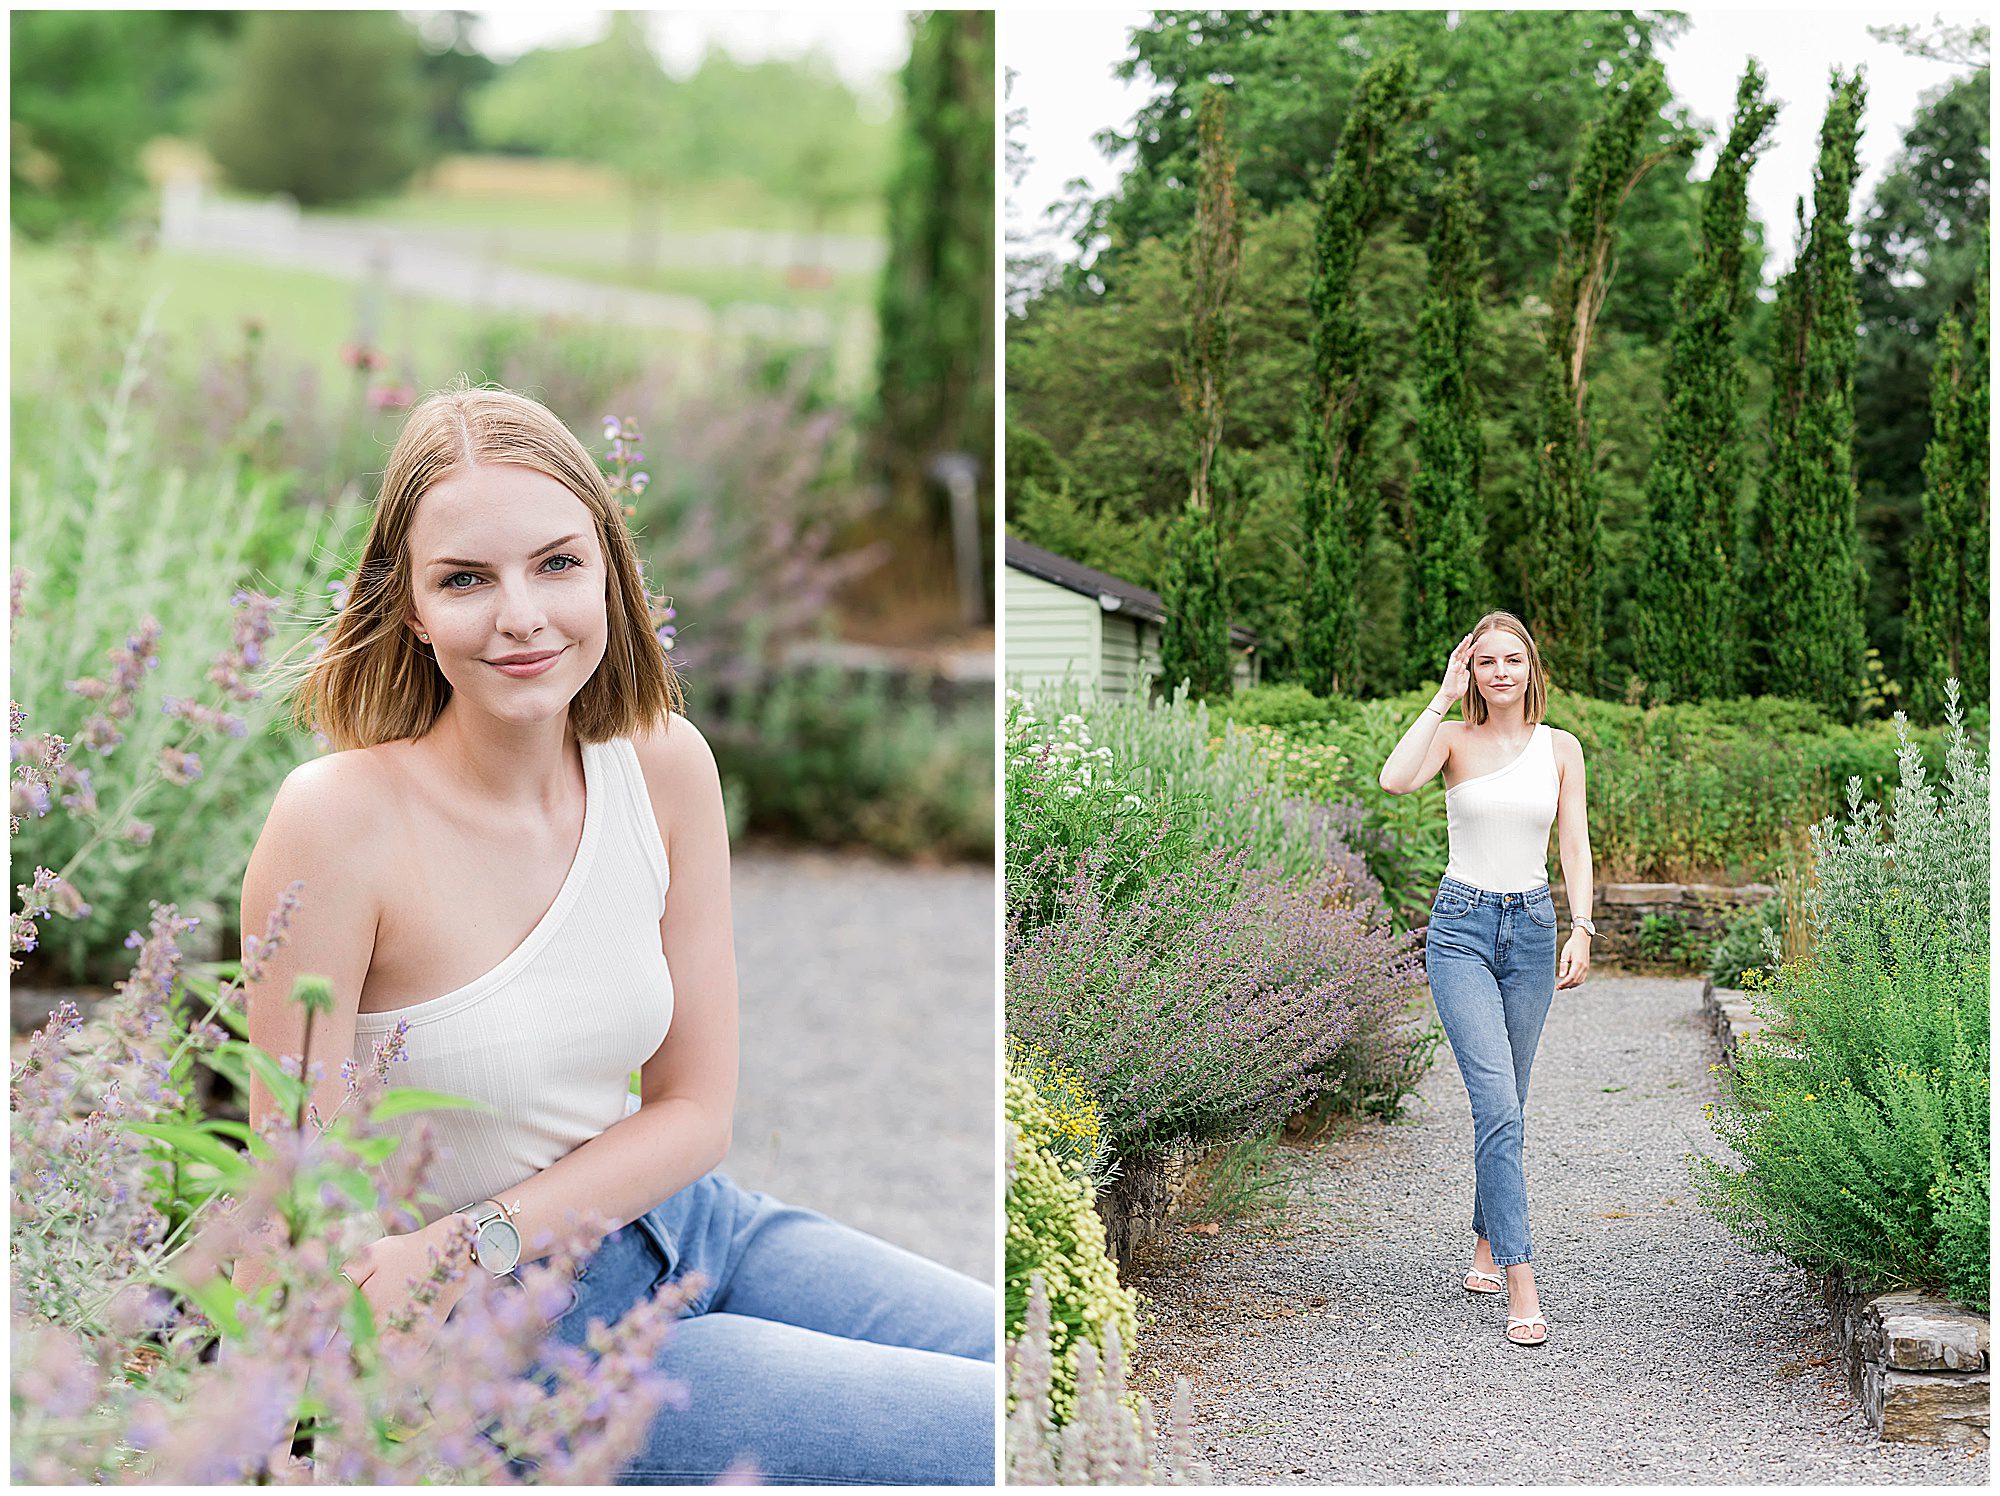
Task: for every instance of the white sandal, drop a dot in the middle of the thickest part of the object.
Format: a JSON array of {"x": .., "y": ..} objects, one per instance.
[
  {"x": 1522, "y": 1324},
  {"x": 1495, "y": 1279}
]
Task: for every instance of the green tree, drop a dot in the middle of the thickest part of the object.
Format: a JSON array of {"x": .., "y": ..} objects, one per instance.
[
  {"x": 1565, "y": 592},
  {"x": 1194, "y": 644},
  {"x": 328, "y": 106},
  {"x": 1807, "y": 584},
  {"x": 90, "y": 87},
  {"x": 936, "y": 299},
  {"x": 1448, "y": 582},
  {"x": 1340, "y": 502},
  {"x": 1918, "y": 251},
  {"x": 1687, "y": 600},
  {"x": 1513, "y": 88},
  {"x": 454, "y": 69},
  {"x": 608, "y": 102},
  {"x": 1950, "y": 580}
]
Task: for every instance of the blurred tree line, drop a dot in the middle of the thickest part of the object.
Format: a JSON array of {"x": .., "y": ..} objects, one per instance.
[
  {"x": 336, "y": 107},
  {"x": 1098, "y": 457}
]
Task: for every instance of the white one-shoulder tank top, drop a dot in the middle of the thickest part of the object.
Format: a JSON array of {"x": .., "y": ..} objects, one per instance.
[
  {"x": 1498, "y": 823},
  {"x": 547, "y": 1039}
]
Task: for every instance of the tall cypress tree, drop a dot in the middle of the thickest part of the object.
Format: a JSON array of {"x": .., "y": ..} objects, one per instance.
[
  {"x": 1805, "y": 595},
  {"x": 1950, "y": 581},
  {"x": 1563, "y": 590},
  {"x": 1194, "y": 645},
  {"x": 1447, "y": 581},
  {"x": 1687, "y": 642},
  {"x": 935, "y": 368},
  {"x": 1340, "y": 506}
]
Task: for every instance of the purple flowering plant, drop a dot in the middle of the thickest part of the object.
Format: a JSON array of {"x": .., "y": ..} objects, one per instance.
[
  {"x": 1214, "y": 1002},
  {"x": 137, "y": 1358},
  {"x": 151, "y": 597}
]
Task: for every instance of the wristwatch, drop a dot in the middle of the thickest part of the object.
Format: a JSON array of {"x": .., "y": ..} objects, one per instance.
[
  {"x": 496, "y": 1245},
  {"x": 1585, "y": 925}
]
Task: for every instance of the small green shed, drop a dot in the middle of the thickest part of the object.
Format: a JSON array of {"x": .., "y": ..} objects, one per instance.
[{"x": 1065, "y": 619}]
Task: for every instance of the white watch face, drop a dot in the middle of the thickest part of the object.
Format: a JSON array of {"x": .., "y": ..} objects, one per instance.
[{"x": 497, "y": 1248}]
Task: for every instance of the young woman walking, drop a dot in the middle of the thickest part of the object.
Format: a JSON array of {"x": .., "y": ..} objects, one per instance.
[
  {"x": 486, "y": 861},
  {"x": 1490, "y": 951}
]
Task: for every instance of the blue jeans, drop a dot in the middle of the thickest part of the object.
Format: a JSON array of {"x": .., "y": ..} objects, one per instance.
[
  {"x": 1491, "y": 960},
  {"x": 823, "y": 1355}
]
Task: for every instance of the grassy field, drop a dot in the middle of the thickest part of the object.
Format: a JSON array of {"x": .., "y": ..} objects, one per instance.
[
  {"x": 502, "y": 192},
  {"x": 305, "y": 316},
  {"x": 724, "y": 285}
]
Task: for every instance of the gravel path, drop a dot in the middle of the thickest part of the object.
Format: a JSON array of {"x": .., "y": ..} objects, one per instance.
[
  {"x": 867, "y": 1086},
  {"x": 1335, "y": 1344}
]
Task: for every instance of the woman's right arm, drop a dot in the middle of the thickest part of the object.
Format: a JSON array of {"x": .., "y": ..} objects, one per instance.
[
  {"x": 1424, "y": 747},
  {"x": 319, "y": 832}
]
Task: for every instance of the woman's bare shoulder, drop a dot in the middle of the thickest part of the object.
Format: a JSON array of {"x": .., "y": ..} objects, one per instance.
[
  {"x": 674, "y": 754},
  {"x": 338, "y": 800}
]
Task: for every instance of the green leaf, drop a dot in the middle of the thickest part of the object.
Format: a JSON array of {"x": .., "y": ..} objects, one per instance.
[
  {"x": 194, "y": 1142},
  {"x": 218, "y": 1298},
  {"x": 359, "y": 1318},
  {"x": 353, "y": 1183},
  {"x": 287, "y": 1090},
  {"x": 374, "y": 1151},
  {"x": 401, "y": 1100}
]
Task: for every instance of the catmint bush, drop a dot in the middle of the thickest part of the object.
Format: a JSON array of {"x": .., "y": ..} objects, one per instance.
[
  {"x": 118, "y": 1319},
  {"x": 1109, "y": 1439},
  {"x": 134, "y": 576},
  {"x": 1211, "y": 1003}
]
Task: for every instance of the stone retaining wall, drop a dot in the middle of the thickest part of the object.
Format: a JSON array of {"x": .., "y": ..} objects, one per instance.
[
  {"x": 1919, "y": 1365},
  {"x": 1619, "y": 911},
  {"x": 1136, "y": 1204}
]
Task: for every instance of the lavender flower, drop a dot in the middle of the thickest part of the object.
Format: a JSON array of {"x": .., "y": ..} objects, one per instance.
[
  {"x": 1215, "y": 999},
  {"x": 179, "y": 766},
  {"x": 257, "y": 949},
  {"x": 129, "y": 664}
]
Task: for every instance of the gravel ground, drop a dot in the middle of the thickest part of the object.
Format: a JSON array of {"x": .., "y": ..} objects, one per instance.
[
  {"x": 1334, "y": 1343},
  {"x": 868, "y": 1072}
]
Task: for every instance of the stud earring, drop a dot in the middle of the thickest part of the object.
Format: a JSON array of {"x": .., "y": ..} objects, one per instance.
[{"x": 425, "y": 637}]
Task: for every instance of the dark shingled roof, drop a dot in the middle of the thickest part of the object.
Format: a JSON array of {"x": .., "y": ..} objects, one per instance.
[{"x": 1141, "y": 602}]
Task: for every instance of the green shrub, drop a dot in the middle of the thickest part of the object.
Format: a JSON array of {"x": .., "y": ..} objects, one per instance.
[
  {"x": 1170, "y": 751},
  {"x": 1863, "y": 1130},
  {"x": 1862, "y": 1115},
  {"x": 1741, "y": 949},
  {"x": 1053, "y": 1230},
  {"x": 1067, "y": 796},
  {"x": 844, "y": 757}
]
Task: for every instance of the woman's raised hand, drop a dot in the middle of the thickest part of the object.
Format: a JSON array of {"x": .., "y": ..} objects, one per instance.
[{"x": 1457, "y": 671}]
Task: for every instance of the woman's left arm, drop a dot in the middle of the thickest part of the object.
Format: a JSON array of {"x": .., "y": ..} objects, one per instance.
[
  {"x": 687, "y": 1090},
  {"x": 1573, "y": 846}
]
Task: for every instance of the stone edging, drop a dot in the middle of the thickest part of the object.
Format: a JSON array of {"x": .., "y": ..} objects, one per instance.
[
  {"x": 1136, "y": 1204},
  {"x": 1919, "y": 1365}
]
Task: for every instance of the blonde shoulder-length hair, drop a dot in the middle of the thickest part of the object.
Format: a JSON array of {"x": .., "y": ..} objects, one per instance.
[
  {"x": 374, "y": 684},
  {"x": 1535, "y": 701}
]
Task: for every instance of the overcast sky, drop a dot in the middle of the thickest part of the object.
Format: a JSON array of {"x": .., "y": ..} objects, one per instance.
[
  {"x": 865, "y": 47},
  {"x": 1062, "y": 65}
]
